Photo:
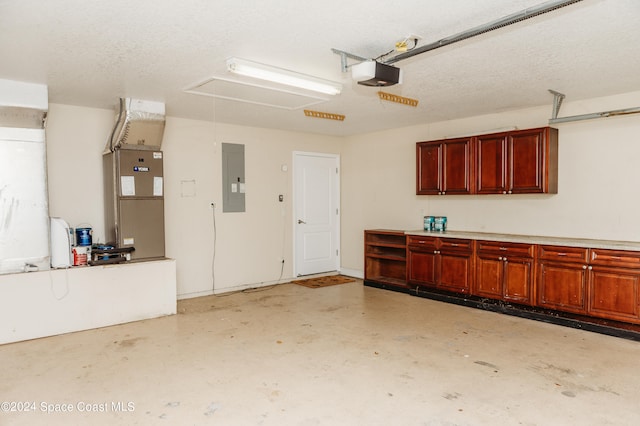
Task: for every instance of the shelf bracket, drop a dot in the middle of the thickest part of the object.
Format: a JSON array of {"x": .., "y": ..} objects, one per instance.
[
  {"x": 559, "y": 97},
  {"x": 557, "y": 102},
  {"x": 604, "y": 114}
]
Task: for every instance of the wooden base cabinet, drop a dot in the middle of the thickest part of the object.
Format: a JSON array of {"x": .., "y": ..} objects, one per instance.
[
  {"x": 443, "y": 263},
  {"x": 422, "y": 261},
  {"x": 614, "y": 284},
  {"x": 614, "y": 293},
  {"x": 562, "y": 278},
  {"x": 590, "y": 282},
  {"x": 385, "y": 257},
  {"x": 562, "y": 286},
  {"x": 505, "y": 271},
  {"x": 596, "y": 282}
]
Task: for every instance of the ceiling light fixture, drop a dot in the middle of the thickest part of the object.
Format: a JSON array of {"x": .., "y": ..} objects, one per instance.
[
  {"x": 282, "y": 76},
  {"x": 326, "y": 115},
  {"x": 398, "y": 99}
]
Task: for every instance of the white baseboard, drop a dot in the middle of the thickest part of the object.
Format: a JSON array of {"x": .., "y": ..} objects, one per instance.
[{"x": 352, "y": 273}]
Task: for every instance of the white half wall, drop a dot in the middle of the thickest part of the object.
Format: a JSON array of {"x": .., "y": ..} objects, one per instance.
[{"x": 47, "y": 303}]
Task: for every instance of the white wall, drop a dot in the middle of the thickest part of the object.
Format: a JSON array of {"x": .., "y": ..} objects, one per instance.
[
  {"x": 249, "y": 245},
  {"x": 598, "y": 180},
  {"x": 76, "y": 138},
  {"x": 597, "y": 197}
]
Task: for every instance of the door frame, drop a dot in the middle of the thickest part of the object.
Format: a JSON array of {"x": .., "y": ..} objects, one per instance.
[{"x": 337, "y": 224}]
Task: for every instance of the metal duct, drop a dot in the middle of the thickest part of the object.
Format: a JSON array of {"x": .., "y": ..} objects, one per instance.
[
  {"x": 139, "y": 125},
  {"x": 494, "y": 25}
]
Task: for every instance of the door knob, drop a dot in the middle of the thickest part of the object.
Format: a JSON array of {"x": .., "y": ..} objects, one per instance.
[{"x": 301, "y": 222}]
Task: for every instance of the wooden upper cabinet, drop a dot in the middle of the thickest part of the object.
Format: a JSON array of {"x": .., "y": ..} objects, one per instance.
[
  {"x": 428, "y": 168},
  {"x": 444, "y": 167},
  {"x": 456, "y": 160},
  {"x": 516, "y": 162},
  {"x": 491, "y": 164},
  {"x": 533, "y": 161}
]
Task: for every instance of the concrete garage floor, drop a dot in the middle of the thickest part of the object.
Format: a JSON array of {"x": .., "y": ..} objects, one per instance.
[{"x": 342, "y": 355}]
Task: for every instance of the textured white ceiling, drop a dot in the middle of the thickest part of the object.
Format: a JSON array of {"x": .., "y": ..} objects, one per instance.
[{"x": 92, "y": 52}]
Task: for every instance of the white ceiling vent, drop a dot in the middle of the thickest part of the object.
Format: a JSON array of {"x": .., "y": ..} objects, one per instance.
[{"x": 257, "y": 94}]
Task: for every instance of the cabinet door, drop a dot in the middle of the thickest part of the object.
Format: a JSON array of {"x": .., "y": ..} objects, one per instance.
[
  {"x": 562, "y": 286},
  {"x": 613, "y": 293},
  {"x": 491, "y": 164},
  {"x": 456, "y": 166},
  {"x": 422, "y": 268},
  {"x": 518, "y": 280},
  {"x": 526, "y": 161},
  {"x": 428, "y": 168},
  {"x": 489, "y": 276},
  {"x": 504, "y": 278},
  {"x": 455, "y": 271}
]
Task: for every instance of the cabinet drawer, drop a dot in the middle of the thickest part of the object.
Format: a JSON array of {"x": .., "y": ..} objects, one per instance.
[
  {"x": 455, "y": 244},
  {"x": 419, "y": 242},
  {"x": 506, "y": 249},
  {"x": 563, "y": 254},
  {"x": 625, "y": 259}
]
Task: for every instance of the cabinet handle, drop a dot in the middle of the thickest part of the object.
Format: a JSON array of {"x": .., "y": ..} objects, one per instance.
[
  {"x": 562, "y": 254},
  {"x": 510, "y": 192},
  {"x": 584, "y": 266},
  {"x": 504, "y": 192},
  {"x": 421, "y": 242},
  {"x": 500, "y": 258},
  {"x": 590, "y": 268}
]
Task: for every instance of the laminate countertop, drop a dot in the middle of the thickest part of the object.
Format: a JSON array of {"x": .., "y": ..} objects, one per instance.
[{"x": 532, "y": 239}]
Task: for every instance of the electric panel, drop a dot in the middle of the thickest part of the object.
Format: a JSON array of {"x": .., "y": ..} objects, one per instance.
[{"x": 233, "y": 183}]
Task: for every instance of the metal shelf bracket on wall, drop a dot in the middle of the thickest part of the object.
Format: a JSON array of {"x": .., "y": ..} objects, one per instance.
[{"x": 557, "y": 102}]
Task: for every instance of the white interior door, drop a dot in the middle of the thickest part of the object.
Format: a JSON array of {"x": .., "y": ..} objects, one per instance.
[{"x": 317, "y": 212}]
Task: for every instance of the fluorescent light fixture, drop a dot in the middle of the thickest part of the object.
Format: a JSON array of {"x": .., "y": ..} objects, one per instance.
[{"x": 282, "y": 76}]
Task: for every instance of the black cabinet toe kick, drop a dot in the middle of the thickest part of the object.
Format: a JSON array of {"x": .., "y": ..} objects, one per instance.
[{"x": 596, "y": 325}]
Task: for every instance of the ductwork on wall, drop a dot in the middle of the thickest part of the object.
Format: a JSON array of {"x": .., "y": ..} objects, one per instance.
[{"x": 139, "y": 125}]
